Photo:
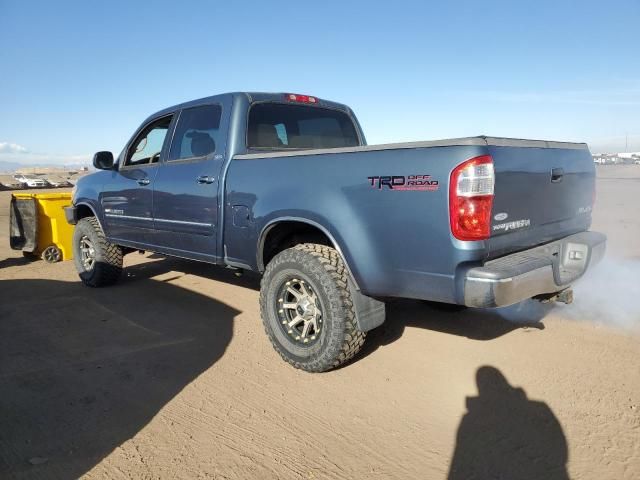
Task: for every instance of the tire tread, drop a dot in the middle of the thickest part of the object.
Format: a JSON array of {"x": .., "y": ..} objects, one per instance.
[
  {"x": 333, "y": 265},
  {"x": 108, "y": 271}
]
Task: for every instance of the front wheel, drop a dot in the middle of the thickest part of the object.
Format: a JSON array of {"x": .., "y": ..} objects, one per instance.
[
  {"x": 98, "y": 262},
  {"x": 307, "y": 310}
]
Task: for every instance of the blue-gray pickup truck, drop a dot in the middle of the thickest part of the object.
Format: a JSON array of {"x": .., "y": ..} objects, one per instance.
[{"x": 285, "y": 185}]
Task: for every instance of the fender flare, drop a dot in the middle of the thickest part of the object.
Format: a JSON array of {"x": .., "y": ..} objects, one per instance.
[{"x": 93, "y": 210}]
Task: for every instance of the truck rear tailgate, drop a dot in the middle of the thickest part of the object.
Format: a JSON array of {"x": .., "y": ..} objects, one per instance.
[{"x": 543, "y": 191}]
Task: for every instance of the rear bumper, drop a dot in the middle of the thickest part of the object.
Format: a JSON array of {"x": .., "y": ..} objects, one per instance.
[{"x": 541, "y": 270}]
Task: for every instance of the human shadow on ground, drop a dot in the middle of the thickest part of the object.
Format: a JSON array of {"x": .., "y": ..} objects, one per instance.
[
  {"x": 504, "y": 435},
  {"x": 83, "y": 370}
]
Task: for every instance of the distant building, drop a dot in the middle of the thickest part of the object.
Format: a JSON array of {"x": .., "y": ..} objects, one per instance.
[
  {"x": 629, "y": 155},
  {"x": 615, "y": 158}
]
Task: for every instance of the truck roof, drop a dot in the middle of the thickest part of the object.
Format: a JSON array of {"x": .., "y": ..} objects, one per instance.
[{"x": 251, "y": 97}]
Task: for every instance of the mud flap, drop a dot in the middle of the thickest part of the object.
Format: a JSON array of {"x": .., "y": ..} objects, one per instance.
[
  {"x": 23, "y": 224},
  {"x": 370, "y": 313}
]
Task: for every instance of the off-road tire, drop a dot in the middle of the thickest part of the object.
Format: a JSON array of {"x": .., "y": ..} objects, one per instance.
[
  {"x": 339, "y": 338},
  {"x": 108, "y": 257}
]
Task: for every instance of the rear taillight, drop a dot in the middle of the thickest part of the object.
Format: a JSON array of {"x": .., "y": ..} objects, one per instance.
[
  {"x": 294, "y": 97},
  {"x": 471, "y": 198}
]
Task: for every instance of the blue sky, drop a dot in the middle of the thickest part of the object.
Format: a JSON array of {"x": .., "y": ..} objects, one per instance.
[{"x": 77, "y": 77}]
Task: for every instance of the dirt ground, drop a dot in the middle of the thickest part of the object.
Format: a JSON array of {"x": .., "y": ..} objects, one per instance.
[{"x": 170, "y": 375}]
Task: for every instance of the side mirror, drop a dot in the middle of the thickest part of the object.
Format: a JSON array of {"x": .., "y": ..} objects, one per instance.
[{"x": 103, "y": 160}]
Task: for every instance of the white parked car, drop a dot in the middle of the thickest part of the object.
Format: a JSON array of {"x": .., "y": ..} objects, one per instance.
[{"x": 31, "y": 181}]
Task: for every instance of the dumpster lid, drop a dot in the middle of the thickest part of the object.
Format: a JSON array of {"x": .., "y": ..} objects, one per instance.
[{"x": 43, "y": 196}]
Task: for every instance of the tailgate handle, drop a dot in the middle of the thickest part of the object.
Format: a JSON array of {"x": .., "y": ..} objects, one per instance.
[{"x": 556, "y": 175}]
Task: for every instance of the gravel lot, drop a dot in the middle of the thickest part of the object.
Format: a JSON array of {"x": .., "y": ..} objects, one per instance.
[{"x": 170, "y": 375}]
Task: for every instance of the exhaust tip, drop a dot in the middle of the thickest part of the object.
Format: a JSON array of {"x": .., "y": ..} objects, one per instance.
[{"x": 565, "y": 296}]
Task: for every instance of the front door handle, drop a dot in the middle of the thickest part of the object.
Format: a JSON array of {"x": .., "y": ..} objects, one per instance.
[
  {"x": 205, "y": 179},
  {"x": 143, "y": 182}
]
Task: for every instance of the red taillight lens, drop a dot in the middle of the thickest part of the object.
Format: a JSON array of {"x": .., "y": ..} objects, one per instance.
[
  {"x": 471, "y": 198},
  {"x": 294, "y": 97}
]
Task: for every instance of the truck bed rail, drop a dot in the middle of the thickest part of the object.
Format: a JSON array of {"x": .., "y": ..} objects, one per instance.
[{"x": 452, "y": 142}]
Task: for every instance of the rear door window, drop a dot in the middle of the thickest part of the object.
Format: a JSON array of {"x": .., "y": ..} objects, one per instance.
[
  {"x": 197, "y": 134},
  {"x": 281, "y": 126}
]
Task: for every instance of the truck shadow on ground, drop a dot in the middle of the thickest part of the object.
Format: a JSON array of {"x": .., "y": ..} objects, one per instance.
[
  {"x": 83, "y": 370},
  {"x": 504, "y": 434},
  {"x": 475, "y": 324}
]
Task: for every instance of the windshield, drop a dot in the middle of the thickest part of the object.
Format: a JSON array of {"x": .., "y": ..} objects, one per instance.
[{"x": 279, "y": 126}]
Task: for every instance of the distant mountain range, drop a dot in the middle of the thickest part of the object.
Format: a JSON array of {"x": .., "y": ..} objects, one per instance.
[{"x": 9, "y": 166}]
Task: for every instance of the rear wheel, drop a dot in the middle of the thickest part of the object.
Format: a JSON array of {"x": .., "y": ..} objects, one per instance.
[
  {"x": 98, "y": 262},
  {"x": 307, "y": 310}
]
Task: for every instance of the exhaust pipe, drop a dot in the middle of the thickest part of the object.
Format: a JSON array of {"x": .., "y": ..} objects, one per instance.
[{"x": 565, "y": 296}]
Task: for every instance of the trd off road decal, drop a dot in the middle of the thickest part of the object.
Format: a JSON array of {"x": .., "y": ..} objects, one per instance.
[{"x": 402, "y": 182}]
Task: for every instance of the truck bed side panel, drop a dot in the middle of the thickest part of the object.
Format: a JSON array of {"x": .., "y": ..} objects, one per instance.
[{"x": 397, "y": 241}]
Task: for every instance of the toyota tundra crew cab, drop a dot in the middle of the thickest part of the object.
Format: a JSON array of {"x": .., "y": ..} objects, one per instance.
[{"x": 285, "y": 185}]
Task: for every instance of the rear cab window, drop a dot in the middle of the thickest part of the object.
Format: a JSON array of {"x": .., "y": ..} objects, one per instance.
[{"x": 276, "y": 126}]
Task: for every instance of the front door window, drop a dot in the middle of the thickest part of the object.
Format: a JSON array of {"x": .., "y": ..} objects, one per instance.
[{"x": 148, "y": 144}]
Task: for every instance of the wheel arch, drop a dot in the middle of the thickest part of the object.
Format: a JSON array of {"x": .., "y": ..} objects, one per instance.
[
  {"x": 290, "y": 226},
  {"x": 84, "y": 209}
]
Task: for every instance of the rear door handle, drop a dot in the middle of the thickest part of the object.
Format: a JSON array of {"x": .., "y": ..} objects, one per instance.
[
  {"x": 556, "y": 175},
  {"x": 205, "y": 179},
  {"x": 144, "y": 181}
]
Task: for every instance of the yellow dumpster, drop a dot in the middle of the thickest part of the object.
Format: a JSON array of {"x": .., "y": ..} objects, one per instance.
[{"x": 38, "y": 225}]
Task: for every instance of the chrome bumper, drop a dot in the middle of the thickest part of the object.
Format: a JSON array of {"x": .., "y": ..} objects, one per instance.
[{"x": 541, "y": 270}]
